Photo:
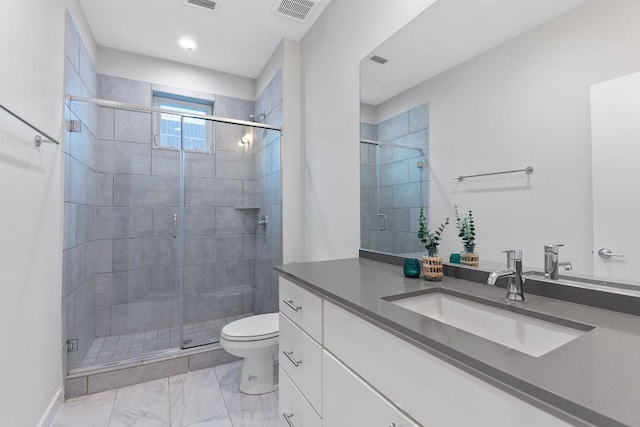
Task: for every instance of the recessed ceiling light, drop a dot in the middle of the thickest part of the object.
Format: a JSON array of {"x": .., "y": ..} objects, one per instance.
[{"x": 187, "y": 43}]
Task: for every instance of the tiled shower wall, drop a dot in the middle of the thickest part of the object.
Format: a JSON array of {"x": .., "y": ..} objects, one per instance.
[
  {"x": 139, "y": 192},
  {"x": 391, "y": 180},
  {"x": 268, "y": 241},
  {"x": 83, "y": 256}
]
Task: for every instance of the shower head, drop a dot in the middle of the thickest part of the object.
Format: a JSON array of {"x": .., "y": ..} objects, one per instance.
[{"x": 258, "y": 118}]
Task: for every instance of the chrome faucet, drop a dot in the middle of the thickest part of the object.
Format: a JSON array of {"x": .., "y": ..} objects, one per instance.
[
  {"x": 514, "y": 273},
  {"x": 551, "y": 262}
]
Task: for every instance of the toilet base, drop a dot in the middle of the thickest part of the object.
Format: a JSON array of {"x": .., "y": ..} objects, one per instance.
[{"x": 257, "y": 375}]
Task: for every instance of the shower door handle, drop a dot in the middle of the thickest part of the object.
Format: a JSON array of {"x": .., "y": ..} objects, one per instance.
[
  {"x": 175, "y": 225},
  {"x": 384, "y": 222}
]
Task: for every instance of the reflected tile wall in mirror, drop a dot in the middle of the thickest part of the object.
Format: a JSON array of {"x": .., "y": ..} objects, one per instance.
[{"x": 393, "y": 181}]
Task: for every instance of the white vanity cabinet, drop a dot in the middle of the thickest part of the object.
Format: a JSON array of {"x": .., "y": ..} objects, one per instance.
[
  {"x": 351, "y": 372},
  {"x": 295, "y": 410},
  {"x": 430, "y": 390},
  {"x": 302, "y": 307},
  {"x": 300, "y": 356},
  {"x": 349, "y": 401}
]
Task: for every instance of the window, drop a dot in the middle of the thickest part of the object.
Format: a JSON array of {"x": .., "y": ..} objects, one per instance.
[{"x": 197, "y": 133}]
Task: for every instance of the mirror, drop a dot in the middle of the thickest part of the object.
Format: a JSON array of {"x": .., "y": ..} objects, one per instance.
[{"x": 511, "y": 84}]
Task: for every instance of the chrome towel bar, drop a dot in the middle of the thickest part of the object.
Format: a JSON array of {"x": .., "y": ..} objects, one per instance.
[
  {"x": 37, "y": 139},
  {"x": 528, "y": 170}
]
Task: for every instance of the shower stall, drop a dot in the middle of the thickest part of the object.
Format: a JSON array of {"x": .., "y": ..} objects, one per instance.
[{"x": 172, "y": 222}]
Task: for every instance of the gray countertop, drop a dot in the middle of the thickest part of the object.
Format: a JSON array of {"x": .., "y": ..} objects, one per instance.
[{"x": 595, "y": 377}]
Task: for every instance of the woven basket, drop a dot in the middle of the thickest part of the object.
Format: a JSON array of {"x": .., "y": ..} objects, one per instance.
[
  {"x": 470, "y": 259},
  {"x": 432, "y": 268}
]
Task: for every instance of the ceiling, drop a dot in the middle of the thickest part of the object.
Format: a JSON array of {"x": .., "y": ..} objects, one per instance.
[
  {"x": 238, "y": 37},
  {"x": 446, "y": 34}
]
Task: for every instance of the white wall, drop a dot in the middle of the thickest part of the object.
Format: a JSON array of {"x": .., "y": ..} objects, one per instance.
[
  {"x": 524, "y": 103},
  {"x": 291, "y": 152},
  {"x": 145, "y": 68},
  {"x": 331, "y": 52},
  {"x": 273, "y": 65},
  {"x": 32, "y": 35},
  {"x": 369, "y": 114}
]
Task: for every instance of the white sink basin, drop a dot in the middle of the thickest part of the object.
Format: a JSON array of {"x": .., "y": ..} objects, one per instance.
[{"x": 520, "y": 332}]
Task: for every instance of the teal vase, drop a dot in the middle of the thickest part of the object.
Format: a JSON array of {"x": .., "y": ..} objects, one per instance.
[{"x": 411, "y": 268}]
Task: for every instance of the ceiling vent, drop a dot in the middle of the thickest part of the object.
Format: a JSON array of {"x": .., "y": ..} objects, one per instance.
[
  {"x": 378, "y": 59},
  {"x": 294, "y": 9},
  {"x": 202, "y": 3}
]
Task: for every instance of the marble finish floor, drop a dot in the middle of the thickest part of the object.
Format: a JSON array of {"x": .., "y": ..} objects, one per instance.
[
  {"x": 122, "y": 347},
  {"x": 205, "y": 398}
]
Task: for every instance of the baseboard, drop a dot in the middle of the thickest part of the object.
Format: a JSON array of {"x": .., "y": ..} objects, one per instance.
[{"x": 47, "y": 418}]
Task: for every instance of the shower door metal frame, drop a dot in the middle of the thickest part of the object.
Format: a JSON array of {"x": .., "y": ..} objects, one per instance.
[
  {"x": 145, "y": 109},
  {"x": 181, "y": 242}
]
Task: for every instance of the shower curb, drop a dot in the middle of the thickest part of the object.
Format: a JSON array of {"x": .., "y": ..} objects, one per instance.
[{"x": 83, "y": 381}]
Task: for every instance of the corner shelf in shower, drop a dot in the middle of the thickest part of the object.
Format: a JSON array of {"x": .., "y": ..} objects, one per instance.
[{"x": 246, "y": 207}]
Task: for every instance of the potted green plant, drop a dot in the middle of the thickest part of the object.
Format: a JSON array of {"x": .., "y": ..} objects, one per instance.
[
  {"x": 466, "y": 231},
  {"x": 430, "y": 239}
]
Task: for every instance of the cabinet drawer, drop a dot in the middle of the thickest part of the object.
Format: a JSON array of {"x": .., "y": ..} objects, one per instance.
[
  {"x": 297, "y": 348},
  {"x": 422, "y": 385},
  {"x": 349, "y": 401},
  {"x": 294, "y": 407},
  {"x": 302, "y": 307}
]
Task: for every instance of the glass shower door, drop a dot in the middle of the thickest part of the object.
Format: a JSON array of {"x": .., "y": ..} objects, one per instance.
[
  {"x": 393, "y": 189},
  {"x": 137, "y": 297},
  {"x": 220, "y": 226},
  {"x": 369, "y": 211},
  {"x": 202, "y": 247}
]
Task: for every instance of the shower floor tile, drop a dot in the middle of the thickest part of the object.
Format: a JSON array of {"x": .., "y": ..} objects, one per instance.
[{"x": 122, "y": 347}]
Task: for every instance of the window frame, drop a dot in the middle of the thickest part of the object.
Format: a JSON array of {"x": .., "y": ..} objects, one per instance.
[{"x": 187, "y": 103}]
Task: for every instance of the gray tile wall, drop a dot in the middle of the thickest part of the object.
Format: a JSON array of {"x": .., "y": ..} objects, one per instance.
[
  {"x": 368, "y": 190},
  {"x": 391, "y": 181},
  {"x": 268, "y": 196},
  {"x": 83, "y": 256}
]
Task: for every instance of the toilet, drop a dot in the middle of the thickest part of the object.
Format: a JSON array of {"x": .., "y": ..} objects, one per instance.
[{"x": 255, "y": 338}]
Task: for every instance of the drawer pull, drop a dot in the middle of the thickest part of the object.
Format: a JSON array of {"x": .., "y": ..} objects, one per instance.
[
  {"x": 290, "y": 304},
  {"x": 289, "y": 355},
  {"x": 287, "y": 418},
  {"x": 392, "y": 425}
]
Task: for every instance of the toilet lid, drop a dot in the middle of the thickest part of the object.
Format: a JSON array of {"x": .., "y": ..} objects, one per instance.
[{"x": 252, "y": 328}]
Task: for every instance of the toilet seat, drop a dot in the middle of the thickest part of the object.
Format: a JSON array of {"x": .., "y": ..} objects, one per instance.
[{"x": 253, "y": 328}]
